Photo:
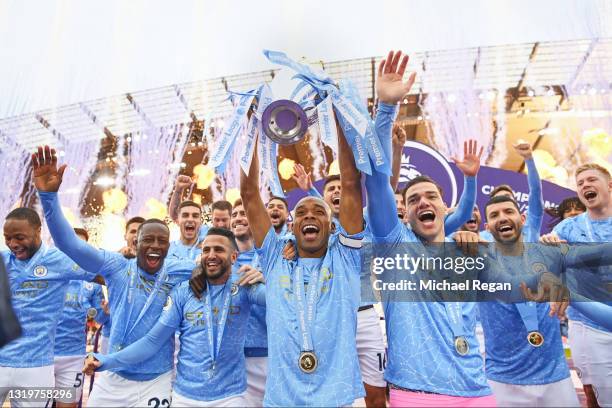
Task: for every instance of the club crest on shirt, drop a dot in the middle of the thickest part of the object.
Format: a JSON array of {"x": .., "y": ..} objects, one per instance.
[
  {"x": 88, "y": 285},
  {"x": 40, "y": 271},
  {"x": 75, "y": 267},
  {"x": 168, "y": 303},
  {"x": 538, "y": 268},
  {"x": 234, "y": 290}
]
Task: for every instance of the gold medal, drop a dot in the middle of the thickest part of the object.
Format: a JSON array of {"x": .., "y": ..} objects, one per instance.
[
  {"x": 308, "y": 362},
  {"x": 461, "y": 346},
  {"x": 535, "y": 338}
]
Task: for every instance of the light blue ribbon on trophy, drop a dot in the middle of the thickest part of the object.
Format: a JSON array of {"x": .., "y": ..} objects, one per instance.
[
  {"x": 349, "y": 117},
  {"x": 271, "y": 151},
  {"x": 355, "y": 122},
  {"x": 375, "y": 150},
  {"x": 253, "y": 127},
  {"x": 267, "y": 148},
  {"x": 356, "y": 142},
  {"x": 454, "y": 312},
  {"x": 213, "y": 348},
  {"x": 251, "y": 136},
  {"x": 327, "y": 125},
  {"x": 232, "y": 129},
  {"x": 280, "y": 58}
]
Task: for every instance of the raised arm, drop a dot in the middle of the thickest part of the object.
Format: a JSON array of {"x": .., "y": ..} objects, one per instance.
[
  {"x": 535, "y": 212},
  {"x": 47, "y": 179},
  {"x": 182, "y": 183},
  {"x": 399, "y": 139},
  {"x": 390, "y": 89},
  {"x": 589, "y": 255},
  {"x": 469, "y": 166},
  {"x": 259, "y": 222},
  {"x": 351, "y": 213}
]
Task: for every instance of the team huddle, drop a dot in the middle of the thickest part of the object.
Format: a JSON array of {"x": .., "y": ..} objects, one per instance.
[{"x": 254, "y": 310}]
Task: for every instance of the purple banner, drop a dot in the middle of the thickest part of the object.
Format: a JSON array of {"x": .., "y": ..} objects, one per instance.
[{"x": 419, "y": 158}]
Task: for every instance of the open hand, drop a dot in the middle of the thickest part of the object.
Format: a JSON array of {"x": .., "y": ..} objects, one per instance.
[
  {"x": 390, "y": 86},
  {"x": 302, "y": 178},
  {"x": 47, "y": 176},
  {"x": 470, "y": 164}
]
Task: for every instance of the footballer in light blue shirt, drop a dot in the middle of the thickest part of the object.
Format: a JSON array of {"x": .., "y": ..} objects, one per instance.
[
  {"x": 190, "y": 223},
  {"x": 138, "y": 288},
  {"x": 256, "y": 341},
  {"x": 594, "y": 190},
  {"x": 513, "y": 361},
  {"x": 591, "y": 282},
  {"x": 211, "y": 362},
  {"x": 312, "y": 363},
  {"x": 82, "y": 300},
  {"x": 535, "y": 203},
  {"x": 421, "y": 351},
  {"x": 38, "y": 277}
]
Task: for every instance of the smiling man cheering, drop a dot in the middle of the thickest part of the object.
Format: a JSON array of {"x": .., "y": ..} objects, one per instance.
[{"x": 138, "y": 290}]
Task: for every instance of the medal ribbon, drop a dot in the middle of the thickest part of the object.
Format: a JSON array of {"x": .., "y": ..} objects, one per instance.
[
  {"x": 529, "y": 315},
  {"x": 588, "y": 226},
  {"x": 455, "y": 318},
  {"x": 327, "y": 126},
  {"x": 213, "y": 348},
  {"x": 159, "y": 279},
  {"x": 528, "y": 310},
  {"x": 224, "y": 147},
  {"x": 306, "y": 304}
]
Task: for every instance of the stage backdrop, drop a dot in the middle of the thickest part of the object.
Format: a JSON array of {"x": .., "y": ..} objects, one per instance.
[{"x": 419, "y": 158}]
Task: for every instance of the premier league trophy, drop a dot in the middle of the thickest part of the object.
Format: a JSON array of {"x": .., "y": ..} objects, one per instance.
[
  {"x": 281, "y": 112},
  {"x": 284, "y": 120}
]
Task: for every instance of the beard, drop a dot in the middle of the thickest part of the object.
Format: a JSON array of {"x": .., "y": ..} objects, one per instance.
[{"x": 223, "y": 268}]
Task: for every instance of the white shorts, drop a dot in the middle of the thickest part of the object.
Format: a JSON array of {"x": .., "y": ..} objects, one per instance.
[
  {"x": 177, "y": 347},
  {"x": 371, "y": 348},
  {"x": 234, "y": 401},
  {"x": 68, "y": 374},
  {"x": 112, "y": 390},
  {"x": 256, "y": 371},
  {"x": 103, "y": 344},
  {"x": 34, "y": 377},
  {"x": 558, "y": 394},
  {"x": 592, "y": 356}
]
